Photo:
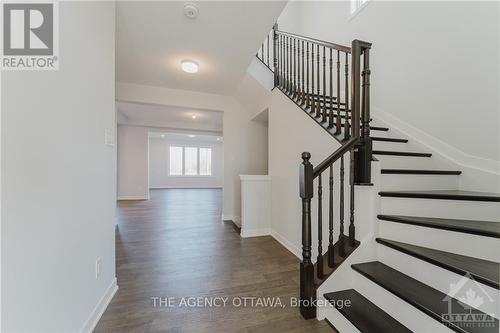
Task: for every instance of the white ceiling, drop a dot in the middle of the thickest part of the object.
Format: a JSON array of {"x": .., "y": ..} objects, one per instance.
[
  {"x": 153, "y": 115},
  {"x": 152, "y": 37}
]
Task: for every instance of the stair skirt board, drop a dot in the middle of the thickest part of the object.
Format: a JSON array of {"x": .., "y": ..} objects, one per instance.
[{"x": 428, "y": 300}]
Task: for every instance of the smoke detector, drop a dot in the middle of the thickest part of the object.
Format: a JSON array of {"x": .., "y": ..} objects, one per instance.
[{"x": 190, "y": 10}]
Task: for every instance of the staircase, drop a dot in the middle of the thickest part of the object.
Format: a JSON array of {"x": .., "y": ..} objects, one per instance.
[{"x": 431, "y": 236}]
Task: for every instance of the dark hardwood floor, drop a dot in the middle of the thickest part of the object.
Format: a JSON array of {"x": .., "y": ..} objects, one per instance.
[{"x": 175, "y": 245}]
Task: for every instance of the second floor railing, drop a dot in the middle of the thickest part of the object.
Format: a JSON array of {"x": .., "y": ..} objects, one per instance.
[{"x": 330, "y": 82}]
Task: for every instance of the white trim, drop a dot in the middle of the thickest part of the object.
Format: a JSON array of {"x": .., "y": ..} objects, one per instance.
[
  {"x": 255, "y": 177},
  {"x": 452, "y": 153},
  {"x": 100, "y": 307},
  {"x": 181, "y": 187},
  {"x": 133, "y": 197},
  {"x": 287, "y": 244},
  {"x": 236, "y": 219},
  {"x": 246, "y": 233}
]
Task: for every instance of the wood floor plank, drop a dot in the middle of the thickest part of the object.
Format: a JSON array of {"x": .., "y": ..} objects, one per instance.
[{"x": 175, "y": 244}]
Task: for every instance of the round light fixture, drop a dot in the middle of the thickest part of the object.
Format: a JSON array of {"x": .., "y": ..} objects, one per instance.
[
  {"x": 193, "y": 116},
  {"x": 189, "y": 66},
  {"x": 191, "y": 135},
  {"x": 191, "y": 10},
  {"x": 163, "y": 135}
]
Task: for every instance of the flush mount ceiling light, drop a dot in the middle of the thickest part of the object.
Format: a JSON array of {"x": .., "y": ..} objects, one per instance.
[
  {"x": 189, "y": 66},
  {"x": 193, "y": 116},
  {"x": 190, "y": 10},
  {"x": 191, "y": 135},
  {"x": 163, "y": 135}
]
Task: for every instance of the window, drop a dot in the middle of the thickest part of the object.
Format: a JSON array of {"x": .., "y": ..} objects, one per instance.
[
  {"x": 356, "y": 5},
  {"x": 190, "y": 161},
  {"x": 175, "y": 161},
  {"x": 205, "y": 161}
]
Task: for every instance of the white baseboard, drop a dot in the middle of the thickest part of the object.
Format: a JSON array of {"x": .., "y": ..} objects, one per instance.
[
  {"x": 235, "y": 219},
  {"x": 133, "y": 197},
  {"x": 287, "y": 244},
  {"x": 101, "y": 306},
  {"x": 181, "y": 187},
  {"x": 246, "y": 233}
]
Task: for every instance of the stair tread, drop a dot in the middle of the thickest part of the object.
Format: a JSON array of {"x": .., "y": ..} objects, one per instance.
[
  {"x": 401, "y": 153},
  {"x": 444, "y": 194},
  {"x": 376, "y": 138},
  {"x": 484, "y": 228},
  {"x": 425, "y": 298},
  {"x": 484, "y": 271},
  {"x": 419, "y": 172},
  {"x": 363, "y": 314}
]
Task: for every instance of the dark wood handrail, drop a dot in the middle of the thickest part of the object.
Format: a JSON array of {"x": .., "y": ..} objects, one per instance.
[
  {"x": 334, "y": 46},
  {"x": 309, "y": 72},
  {"x": 347, "y": 146}
]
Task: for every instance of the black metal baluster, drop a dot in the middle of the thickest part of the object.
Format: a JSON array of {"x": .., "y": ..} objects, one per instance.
[
  {"x": 341, "y": 234},
  {"x": 287, "y": 85},
  {"x": 307, "y": 76},
  {"x": 347, "y": 127},
  {"x": 331, "y": 259},
  {"x": 332, "y": 114},
  {"x": 311, "y": 96},
  {"x": 338, "y": 128},
  {"x": 318, "y": 100},
  {"x": 325, "y": 105},
  {"x": 319, "y": 261},
  {"x": 290, "y": 65},
  {"x": 351, "y": 184},
  {"x": 294, "y": 95},
  {"x": 283, "y": 63},
  {"x": 303, "y": 96},
  {"x": 268, "y": 59}
]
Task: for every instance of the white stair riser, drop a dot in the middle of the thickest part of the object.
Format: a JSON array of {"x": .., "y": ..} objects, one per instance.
[
  {"x": 392, "y": 182},
  {"x": 481, "y": 247},
  {"x": 395, "y": 146},
  {"x": 406, "y": 314},
  {"x": 437, "y": 277},
  {"x": 458, "y": 209},
  {"x": 408, "y": 162}
]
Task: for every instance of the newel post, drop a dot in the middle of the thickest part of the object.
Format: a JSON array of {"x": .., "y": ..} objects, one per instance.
[
  {"x": 275, "y": 54},
  {"x": 307, "y": 293},
  {"x": 361, "y": 107}
]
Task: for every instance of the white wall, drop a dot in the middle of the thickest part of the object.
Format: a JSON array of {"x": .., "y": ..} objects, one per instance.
[
  {"x": 159, "y": 165},
  {"x": 58, "y": 195},
  {"x": 434, "y": 65},
  {"x": 133, "y": 180},
  {"x": 245, "y": 141}
]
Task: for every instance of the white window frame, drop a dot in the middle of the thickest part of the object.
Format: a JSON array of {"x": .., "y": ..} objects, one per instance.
[{"x": 197, "y": 160}]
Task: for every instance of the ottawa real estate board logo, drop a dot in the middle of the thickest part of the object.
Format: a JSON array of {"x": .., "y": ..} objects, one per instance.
[{"x": 30, "y": 36}]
